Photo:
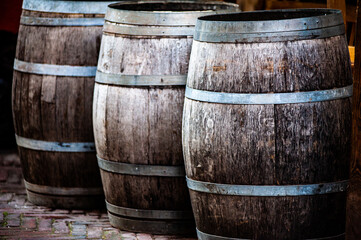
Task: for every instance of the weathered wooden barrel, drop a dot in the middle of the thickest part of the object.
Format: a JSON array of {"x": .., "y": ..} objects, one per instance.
[
  {"x": 267, "y": 125},
  {"x": 54, "y": 71},
  {"x": 137, "y": 113}
]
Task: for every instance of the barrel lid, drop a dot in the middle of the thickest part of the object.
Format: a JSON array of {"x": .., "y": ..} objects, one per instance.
[
  {"x": 270, "y": 26},
  {"x": 64, "y": 6},
  {"x": 165, "y": 13}
]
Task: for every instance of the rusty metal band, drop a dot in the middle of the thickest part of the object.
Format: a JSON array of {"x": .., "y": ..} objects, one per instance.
[
  {"x": 70, "y": 22},
  {"x": 278, "y": 25},
  {"x": 173, "y": 227},
  {"x": 206, "y": 236},
  {"x": 148, "y": 214},
  {"x": 55, "y": 70},
  {"x": 54, "y": 146},
  {"x": 140, "y": 80},
  {"x": 117, "y": 14},
  {"x": 64, "y": 191},
  {"x": 135, "y": 30},
  {"x": 140, "y": 169},
  {"x": 267, "y": 190},
  {"x": 58, "y": 6},
  {"x": 268, "y": 98}
]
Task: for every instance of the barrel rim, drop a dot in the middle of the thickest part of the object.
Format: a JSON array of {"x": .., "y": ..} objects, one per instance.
[
  {"x": 240, "y": 27},
  {"x": 63, "y": 6},
  {"x": 164, "y": 18}
]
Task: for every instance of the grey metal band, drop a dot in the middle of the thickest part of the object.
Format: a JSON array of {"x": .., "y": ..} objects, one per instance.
[
  {"x": 55, "y": 146},
  {"x": 55, "y": 70},
  {"x": 217, "y": 37},
  {"x": 57, "y": 6},
  {"x": 140, "y": 80},
  {"x": 148, "y": 214},
  {"x": 73, "y": 22},
  {"x": 278, "y": 25},
  {"x": 268, "y": 98},
  {"x": 141, "y": 170},
  {"x": 165, "y": 18},
  {"x": 64, "y": 191},
  {"x": 147, "y": 31},
  {"x": 174, "y": 227},
  {"x": 267, "y": 190},
  {"x": 206, "y": 236}
]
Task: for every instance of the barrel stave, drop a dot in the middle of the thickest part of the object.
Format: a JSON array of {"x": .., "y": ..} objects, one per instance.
[
  {"x": 268, "y": 145},
  {"x": 50, "y": 113},
  {"x": 144, "y": 56},
  {"x": 55, "y": 45},
  {"x": 147, "y": 123},
  {"x": 62, "y": 169}
]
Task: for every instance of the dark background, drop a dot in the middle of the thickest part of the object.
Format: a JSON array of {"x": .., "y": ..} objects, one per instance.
[{"x": 10, "y": 11}]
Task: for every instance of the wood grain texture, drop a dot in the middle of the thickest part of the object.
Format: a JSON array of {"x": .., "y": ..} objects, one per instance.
[
  {"x": 285, "y": 144},
  {"x": 142, "y": 125},
  {"x": 56, "y": 108},
  {"x": 353, "y": 223}
]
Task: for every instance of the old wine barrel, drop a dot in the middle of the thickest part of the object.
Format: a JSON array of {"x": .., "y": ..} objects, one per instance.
[
  {"x": 267, "y": 125},
  {"x": 137, "y": 113},
  {"x": 54, "y": 73}
]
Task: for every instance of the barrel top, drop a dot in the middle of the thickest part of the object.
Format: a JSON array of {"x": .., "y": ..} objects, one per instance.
[
  {"x": 165, "y": 13},
  {"x": 64, "y": 6},
  {"x": 270, "y": 26}
]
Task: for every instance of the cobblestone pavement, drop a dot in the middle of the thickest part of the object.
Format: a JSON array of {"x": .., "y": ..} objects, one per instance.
[{"x": 19, "y": 219}]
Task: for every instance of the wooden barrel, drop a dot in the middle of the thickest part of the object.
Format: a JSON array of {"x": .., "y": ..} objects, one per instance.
[
  {"x": 267, "y": 125},
  {"x": 137, "y": 113},
  {"x": 54, "y": 71}
]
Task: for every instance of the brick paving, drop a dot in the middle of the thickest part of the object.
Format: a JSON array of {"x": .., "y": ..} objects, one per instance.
[{"x": 20, "y": 219}]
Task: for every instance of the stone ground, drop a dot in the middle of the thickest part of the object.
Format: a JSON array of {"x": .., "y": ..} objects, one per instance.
[{"x": 19, "y": 219}]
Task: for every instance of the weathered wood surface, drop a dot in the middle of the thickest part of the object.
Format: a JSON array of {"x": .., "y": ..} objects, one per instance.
[
  {"x": 55, "y": 108},
  {"x": 142, "y": 125},
  {"x": 269, "y": 144},
  {"x": 353, "y": 223}
]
